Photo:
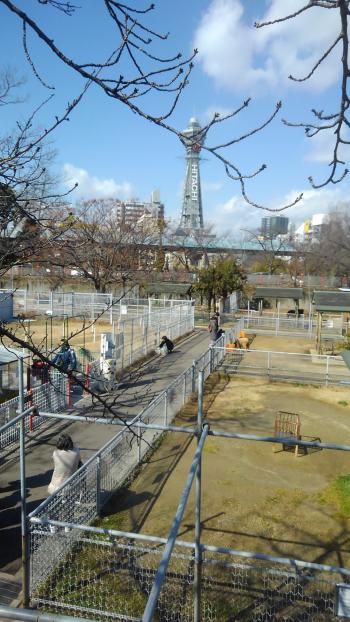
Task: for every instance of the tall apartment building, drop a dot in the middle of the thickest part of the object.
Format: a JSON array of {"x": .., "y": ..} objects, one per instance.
[
  {"x": 130, "y": 212},
  {"x": 272, "y": 226}
]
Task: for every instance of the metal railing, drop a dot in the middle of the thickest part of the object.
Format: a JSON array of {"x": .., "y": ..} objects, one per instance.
[
  {"x": 114, "y": 464},
  {"x": 145, "y": 333},
  {"x": 50, "y": 397},
  {"x": 292, "y": 367},
  {"x": 88, "y": 304},
  {"x": 110, "y": 574},
  {"x": 294, "y": 326},
  {"x": 137, "y": 338}
]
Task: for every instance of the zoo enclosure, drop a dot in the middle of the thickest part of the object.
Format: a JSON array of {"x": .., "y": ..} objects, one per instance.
[
  {"x": 294, "y": 326},
  {"x": 229, "y": 581},
  {"x": 293, "y": 367},
  {"x": 88, "y": 304}
]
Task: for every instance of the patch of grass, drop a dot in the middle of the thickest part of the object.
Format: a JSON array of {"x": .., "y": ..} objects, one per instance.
[
  {"x": 338, "y": 493},
  {"x": 210, "y": 446},
  {"x": 343, "y": 403},
  {"x": 113, "y": 521}
]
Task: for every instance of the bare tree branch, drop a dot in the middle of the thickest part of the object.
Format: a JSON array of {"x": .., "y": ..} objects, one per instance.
[{"x": 340, "y": 120}]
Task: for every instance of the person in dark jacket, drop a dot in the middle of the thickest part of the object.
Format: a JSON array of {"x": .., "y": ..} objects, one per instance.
[
  {"x": 166, "y": 342},
  {"x": 213, "y": 328}
]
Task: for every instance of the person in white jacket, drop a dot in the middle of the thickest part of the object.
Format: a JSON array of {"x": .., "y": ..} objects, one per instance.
[{"x": 66, "y": 459}]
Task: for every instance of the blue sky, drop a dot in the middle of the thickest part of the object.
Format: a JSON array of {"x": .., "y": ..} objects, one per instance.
[{"x": 112, "y": 152}]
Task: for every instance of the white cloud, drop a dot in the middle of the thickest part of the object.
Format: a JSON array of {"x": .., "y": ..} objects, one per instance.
[
  {"x": 235, "y": 215},
  {"x": 241, "y": 57},
  {"x": 91, "y": 187},
  {"x": 212, "y": 110},
  {"x": 321, "y": 147}
]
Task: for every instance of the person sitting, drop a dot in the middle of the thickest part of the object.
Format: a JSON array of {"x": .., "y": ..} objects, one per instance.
[
  {"x": 166, "y": 345},
  {"x": 66, "y": 358},
  {"x": 66, "y": 459}
]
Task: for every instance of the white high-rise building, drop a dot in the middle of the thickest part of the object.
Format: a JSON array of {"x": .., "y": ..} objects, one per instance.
[{"x": 310, "y": 229}]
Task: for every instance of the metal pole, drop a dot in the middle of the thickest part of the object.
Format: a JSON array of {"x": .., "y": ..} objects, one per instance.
[
  {"x": 211, "y": 357},
  {"x": 162, "y": 568},
  {"x": 98, "y": 484},
  {"x": 194, "y": 365},
  {"x": 25, "y": 577},
  {"x": 138, "y": 444},
  {"x": 197, "y": 532},
  {"x": 166, "y": 408},
  {"x": 131, "y": 340}
]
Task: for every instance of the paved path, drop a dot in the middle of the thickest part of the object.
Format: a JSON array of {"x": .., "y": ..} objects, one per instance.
[{"x": 132, "y": 398}]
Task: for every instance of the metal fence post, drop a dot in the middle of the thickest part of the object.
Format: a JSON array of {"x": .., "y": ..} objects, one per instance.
[
  {"x": 166, "y": 408},
  {"x": 327, "y": 370},
  {"x": 198, "y": 495},
  {"x": 24, "y": 530},
  {"x": 194, "y": 369},
  {"x": 184, "y": 390},
  {"x": 211, "y": 354},
  {"x": 111, "y": 309},
  {"x": 98, "y": 484},
  {"x": 131, "y": 340},
  {"x": 122, "y": 332},
  {"x": 138, "y": 445}
]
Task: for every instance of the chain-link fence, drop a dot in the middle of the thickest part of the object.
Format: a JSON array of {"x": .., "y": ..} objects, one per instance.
[
  {"x": 49, "y": 397},
  {"x": 334, "y": 327},
  {"x": 136, "y": 338},
  {"x": 87, "y": 572},
  {"x": 87, "y": 304},
  {"x": 110, "y": 577}
]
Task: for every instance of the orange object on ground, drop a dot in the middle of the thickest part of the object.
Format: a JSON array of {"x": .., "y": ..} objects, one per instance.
[{"x": 230, "y": 347}]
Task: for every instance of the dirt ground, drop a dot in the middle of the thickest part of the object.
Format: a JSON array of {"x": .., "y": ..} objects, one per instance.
[
  {"x": 256, "y": 497},
  {"x": 48, "y": 335}
]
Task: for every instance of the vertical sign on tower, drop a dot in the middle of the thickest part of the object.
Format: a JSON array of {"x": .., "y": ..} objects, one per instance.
[{"x": 192, "y": 211}]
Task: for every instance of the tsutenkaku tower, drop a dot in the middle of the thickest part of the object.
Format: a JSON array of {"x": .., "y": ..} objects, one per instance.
[{"x": 192, "y": 212}]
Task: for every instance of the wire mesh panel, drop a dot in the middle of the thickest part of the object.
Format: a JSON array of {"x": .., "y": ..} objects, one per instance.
[
  {"x": 110, "y": 577},
  {"x": 49, "y": 397},
  {"x": 232, "y": 590},
  {"x": 293, "y": 326},
  {"x": 117, "y": 463}
]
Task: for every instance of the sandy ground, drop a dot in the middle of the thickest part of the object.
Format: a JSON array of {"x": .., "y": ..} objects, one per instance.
[
  {"x": 254, "y": 497},
  {"x": 48, "y": 336}
]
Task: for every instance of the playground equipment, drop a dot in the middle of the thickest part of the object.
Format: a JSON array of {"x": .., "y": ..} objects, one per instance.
[{"x": 288, "y": 425}]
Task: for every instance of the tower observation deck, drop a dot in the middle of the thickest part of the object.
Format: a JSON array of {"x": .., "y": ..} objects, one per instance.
[{"x": 192, "y": 212}]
